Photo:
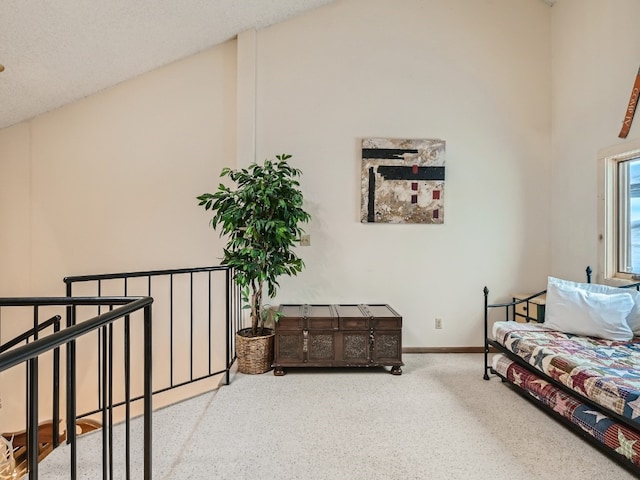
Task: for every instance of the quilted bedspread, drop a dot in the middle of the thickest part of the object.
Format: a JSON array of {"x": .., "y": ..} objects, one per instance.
[
  {"x": 609, "y": 432},
  {"x": 605, "y": 372}
]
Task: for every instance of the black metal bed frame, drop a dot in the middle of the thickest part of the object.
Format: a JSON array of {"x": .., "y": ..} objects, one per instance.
[{"x": 488, "y": 369}]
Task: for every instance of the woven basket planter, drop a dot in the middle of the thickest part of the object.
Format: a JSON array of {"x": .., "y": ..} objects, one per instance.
[{"x": 255, "y": 354}]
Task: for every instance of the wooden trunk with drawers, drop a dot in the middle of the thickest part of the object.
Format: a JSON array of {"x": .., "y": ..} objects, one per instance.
[{"x": 338, "y": 336}]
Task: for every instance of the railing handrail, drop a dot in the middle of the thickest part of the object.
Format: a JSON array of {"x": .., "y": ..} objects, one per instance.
[
  {"x": 25, "y": 352},
  {"x": 55, "y": 320},
  {"x": 149, "y": 273},
  {"x": 64, "y": 301}
]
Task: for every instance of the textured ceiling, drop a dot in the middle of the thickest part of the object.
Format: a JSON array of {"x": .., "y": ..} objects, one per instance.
[{"x": 58, "y": 51}]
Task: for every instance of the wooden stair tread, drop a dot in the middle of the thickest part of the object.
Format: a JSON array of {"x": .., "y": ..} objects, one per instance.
[{"x": 45, "y": 441}]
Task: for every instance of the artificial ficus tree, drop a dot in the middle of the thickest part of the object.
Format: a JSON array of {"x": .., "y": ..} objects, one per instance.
[{"x": 261, "y": 217}]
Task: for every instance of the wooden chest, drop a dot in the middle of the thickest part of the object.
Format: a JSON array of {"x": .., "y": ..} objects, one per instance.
[{"x": 338, "y": 336}]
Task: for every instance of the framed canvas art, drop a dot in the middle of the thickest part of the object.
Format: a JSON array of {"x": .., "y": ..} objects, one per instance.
[{"x": 402, "y": 180}]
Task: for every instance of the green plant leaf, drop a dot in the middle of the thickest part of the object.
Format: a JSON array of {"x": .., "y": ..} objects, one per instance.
[{"x": 261, "y": 217}]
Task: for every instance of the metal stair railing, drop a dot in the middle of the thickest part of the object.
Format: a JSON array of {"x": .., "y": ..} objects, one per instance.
[
  {"x": 210, "y": 302},
  {"x": 121, "y": 309}
]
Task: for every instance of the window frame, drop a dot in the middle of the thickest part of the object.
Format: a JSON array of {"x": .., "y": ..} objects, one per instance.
[{"x": 609, "y": 210}]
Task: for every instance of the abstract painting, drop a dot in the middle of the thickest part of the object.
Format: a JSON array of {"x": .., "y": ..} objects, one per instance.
[{"x": 402, "y": 180}]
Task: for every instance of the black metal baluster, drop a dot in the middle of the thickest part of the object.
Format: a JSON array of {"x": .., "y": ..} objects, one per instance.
[
  {"x": 171, "y": 330},
  {"x": 100, "y": 405},
  {"x": 148, "y": 392},
  {"x": 486, "y": 340},
  {"x": 191, "y": 326},
  {"x": 210, "y": 293},
  {"x": 127, "y": 394},
  {"x": 56, "y": 389},
  {"x": 32, "y": 432},
  {"x": 227, "y": 330},
  {"x": 110, "y": 405},
  {"x": 71, "y": 393},
  {"x": 126, "y": 292},
  {"x": 105, "y": 446}
]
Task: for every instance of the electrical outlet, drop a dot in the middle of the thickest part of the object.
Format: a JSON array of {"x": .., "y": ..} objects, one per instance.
[
  {"x": 438, "y": 323},
  {"x": 305, "y": 240}
]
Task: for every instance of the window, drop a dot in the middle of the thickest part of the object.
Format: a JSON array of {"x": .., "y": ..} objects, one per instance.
[
  {"x": 619, "y": 216},
  {"x": 629, "y": 216}
]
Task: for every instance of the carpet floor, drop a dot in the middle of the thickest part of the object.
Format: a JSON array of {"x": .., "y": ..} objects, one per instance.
[{"x": 438, "y": 420}]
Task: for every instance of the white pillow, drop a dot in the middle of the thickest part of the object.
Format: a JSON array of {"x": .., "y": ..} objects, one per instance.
[
  {"x": 575, "y": 310},
  {"x": 633, "y": 319}
]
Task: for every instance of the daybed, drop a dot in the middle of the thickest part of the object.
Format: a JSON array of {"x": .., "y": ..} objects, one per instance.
[{"x": 582, "y": 365}]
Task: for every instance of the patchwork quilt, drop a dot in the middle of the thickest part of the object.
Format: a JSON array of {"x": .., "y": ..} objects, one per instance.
[
  {"x": 605, "y": 372},
  {"x": 613, "y": 434}
]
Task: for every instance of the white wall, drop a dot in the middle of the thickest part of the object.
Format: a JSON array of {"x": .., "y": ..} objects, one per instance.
[
  {"x": 15, "y": 205},
  {"x": 109, "y": 183},
  {"x": 474, "y": 73},
  {"x": 596, "y": 50}
]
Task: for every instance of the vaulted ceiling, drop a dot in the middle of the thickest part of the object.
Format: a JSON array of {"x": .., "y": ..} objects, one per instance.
[{"x": 57, "y": 51}]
